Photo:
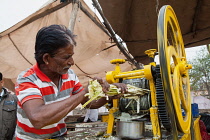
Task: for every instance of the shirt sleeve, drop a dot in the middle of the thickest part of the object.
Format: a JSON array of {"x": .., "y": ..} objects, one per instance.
[{"x": 26, "y": 91}]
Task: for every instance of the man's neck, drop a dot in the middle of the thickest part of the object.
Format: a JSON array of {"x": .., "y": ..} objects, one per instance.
[{"x": 54, "y": 77}]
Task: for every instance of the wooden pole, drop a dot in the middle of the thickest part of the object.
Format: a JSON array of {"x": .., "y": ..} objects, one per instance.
[
  {"x": 208, "y": 47},
  {"x": 73, "y": 16}
]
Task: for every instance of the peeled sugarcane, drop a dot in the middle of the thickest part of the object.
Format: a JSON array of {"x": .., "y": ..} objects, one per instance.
[{"x": 96, "y": 92}]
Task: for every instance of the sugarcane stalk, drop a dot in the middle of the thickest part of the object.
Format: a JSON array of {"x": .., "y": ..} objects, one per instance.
[{"x": 95, "y": 91}]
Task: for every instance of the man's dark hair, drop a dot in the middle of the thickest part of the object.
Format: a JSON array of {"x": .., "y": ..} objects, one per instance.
[
  {"x": 1, "y": 76},
  {"x": 51, "y": 38}
]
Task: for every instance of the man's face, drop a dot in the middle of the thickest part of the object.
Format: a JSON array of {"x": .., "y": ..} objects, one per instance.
[{"x": 62, "y": 60}]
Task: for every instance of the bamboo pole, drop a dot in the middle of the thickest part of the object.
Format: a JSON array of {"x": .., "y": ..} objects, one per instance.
[{"x": 110, "y": 29}]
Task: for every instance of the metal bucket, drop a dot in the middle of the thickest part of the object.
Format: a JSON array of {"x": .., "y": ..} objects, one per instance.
[{"x": 130, "y": 129}]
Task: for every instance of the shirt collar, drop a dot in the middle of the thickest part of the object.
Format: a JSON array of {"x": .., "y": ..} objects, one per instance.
[{"x": 44, "y": 77}]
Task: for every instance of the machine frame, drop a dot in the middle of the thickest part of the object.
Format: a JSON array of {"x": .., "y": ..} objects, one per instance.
[{"x": 175, "y": 80}]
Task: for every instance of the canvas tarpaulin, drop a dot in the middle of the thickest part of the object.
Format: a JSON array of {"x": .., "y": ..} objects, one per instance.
[
  {"x": 135, "y": 21},
  {"x": 17, "y": 43}
]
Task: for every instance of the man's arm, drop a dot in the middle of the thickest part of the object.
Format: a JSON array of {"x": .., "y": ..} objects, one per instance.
[
  {"x": 98, "y": 103},
  {"x": 41, "y": 115}
]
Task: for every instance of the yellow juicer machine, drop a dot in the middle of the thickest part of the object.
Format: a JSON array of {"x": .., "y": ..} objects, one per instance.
[{"x": 168, "y": 84}]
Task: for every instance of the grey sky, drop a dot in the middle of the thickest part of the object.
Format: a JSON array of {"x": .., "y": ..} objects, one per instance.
[{"x": 13, "y": 11}]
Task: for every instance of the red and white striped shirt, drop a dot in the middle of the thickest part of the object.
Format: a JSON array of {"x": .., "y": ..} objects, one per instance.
[{"x": 34, "y": 84}]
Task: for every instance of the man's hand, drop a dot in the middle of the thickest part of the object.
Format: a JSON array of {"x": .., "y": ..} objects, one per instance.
[
  {"x": 103, "y": 83},
  {"x": 123, "y": 87},
  {"x": 123, "y": 90},
  {"x": 105, "y": 88}
]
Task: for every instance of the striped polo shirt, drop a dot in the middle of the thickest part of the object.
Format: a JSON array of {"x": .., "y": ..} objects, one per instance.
[{"x": 34, "y": 84}]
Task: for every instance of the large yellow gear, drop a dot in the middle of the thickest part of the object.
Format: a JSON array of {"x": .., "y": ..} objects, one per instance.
[{"x": 174, "y": 67}]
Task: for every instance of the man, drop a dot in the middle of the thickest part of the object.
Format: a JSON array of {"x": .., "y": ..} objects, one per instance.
[
  {"x": 49, "y": 90},
  {"x": 8, "y": 108}
]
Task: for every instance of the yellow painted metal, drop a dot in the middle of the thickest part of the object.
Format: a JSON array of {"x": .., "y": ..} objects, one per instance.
[
  {"x": 114, "y": 76},
  {"x": 153, "y": 92},
  {"x": 151, "y": 52},
  {"x": 129, "y": 74},
  {"x": 134, "y": 78},
  {"x": 197, "y": 129},
  {"x": 155, "y": 123},
  {"x": 117, "y": 61},
  {"x": 105, "y": 118},
  {"x": 110, "y": 75},
  {"x": 174, "y": 72},
  {"x": 148, "y": 72},
  {"x": 186, "y": 136},
  {"x": 152, "y": 64},
  {"x": 112, "y": 118},
  {"x": 154, "y": 112},
  {"x": 174, "y": 66}
]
